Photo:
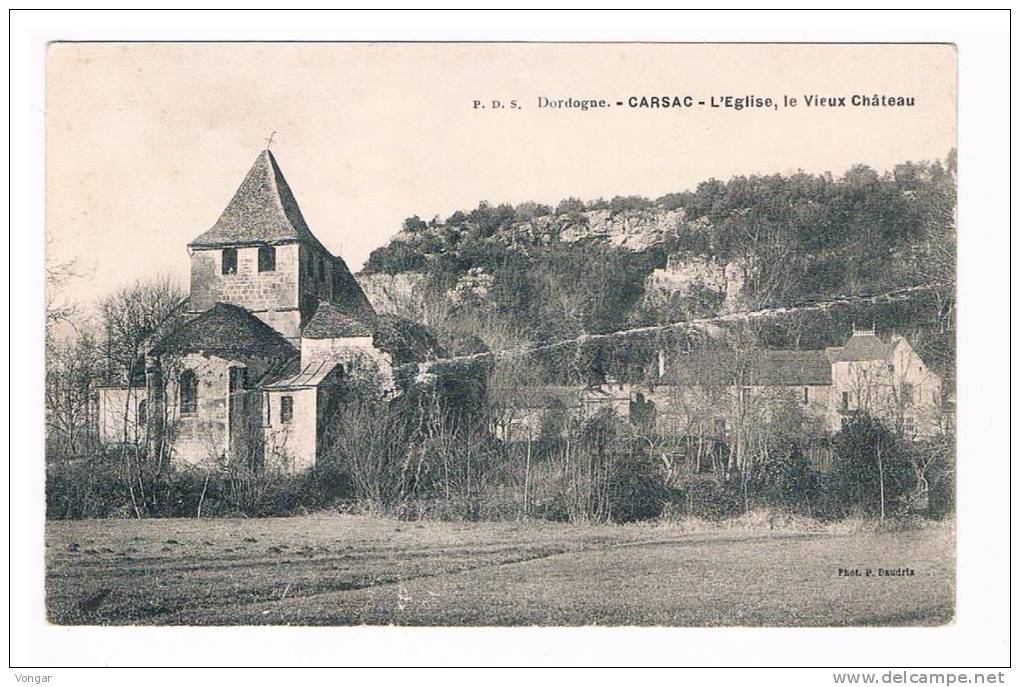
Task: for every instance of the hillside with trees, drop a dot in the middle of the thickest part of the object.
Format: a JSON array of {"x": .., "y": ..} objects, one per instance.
[{"x": 532, "y": 274}]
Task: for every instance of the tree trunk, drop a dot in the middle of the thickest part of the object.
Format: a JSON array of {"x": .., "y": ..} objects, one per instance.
[
  {"x": 201, "y": 498},
  {"x": 527, "y": 478},
  {"x": 881, "y": 484}
]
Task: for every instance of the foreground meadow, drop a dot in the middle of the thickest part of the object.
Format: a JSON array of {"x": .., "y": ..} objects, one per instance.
[{"x": 343, "y": 570}]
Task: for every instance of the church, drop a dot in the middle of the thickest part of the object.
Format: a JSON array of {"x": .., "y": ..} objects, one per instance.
[{"x": 276, "y": 333}]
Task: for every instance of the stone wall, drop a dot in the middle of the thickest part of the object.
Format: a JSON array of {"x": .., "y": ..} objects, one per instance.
[
  {"x": 276, "y": 291},
  {"x": 202, "y": 436},
  {"x": 117, "y": 414},
  {"x": 362, "y": 363},
  {"x": 291, "y": 446},
  {"x": 317, "y": 272}
]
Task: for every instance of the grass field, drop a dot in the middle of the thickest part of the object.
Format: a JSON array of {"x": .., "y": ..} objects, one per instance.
[{"x": 334, "y": 569}]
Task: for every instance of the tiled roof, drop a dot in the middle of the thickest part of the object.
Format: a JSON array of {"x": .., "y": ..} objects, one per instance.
[
  {"x": 859, "y": 347},
  {"x": 312, "y": 375},
  {"x": 263, "y": 210},
  {"x": 281, "y": 369},
  {"x": 404, "y": 340},
  {"x": 347, "y": 290},
  {"x": 227, "y": 329},
  {"x": 754, "y": 368},
  {"x": 330, "y": 321}
]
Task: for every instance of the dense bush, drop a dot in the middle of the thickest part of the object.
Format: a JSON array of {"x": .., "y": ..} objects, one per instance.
[
  {"x": 707, "y": 498},
  {"x": 871, "y": 472},
  {"x": 782, "y": 477},
  {"x": 639, "y": 491},
  {"x": 93, "y": 487},
  {"x": 419, "y": 461},
  {"x": 85, "y": 487}
]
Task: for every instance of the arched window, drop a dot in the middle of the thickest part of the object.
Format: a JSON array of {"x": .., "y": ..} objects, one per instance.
[
  {"x": 143, "y": 412},
  {"x": 267, "y": 258},
  {"x": 189, "y": 393}
]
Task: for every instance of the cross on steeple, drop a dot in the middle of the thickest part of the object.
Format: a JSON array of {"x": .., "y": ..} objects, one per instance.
[{"x": 269, "y": 141}]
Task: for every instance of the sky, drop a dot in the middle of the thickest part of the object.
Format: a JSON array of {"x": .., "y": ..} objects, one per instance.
[{"x": 147, "y": 142}]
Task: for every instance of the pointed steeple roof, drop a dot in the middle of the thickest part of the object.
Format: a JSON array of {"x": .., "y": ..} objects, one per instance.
[{"x": 263, "y": 210}]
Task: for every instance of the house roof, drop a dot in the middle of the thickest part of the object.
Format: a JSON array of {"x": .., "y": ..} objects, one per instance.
[
  {"x": 310, "y": 376},
  {"x": 406, "y": 341},
  {"x": 227, "y": 329},
  {"x": 754, "y": 368},
  {"x": 862, "y": 345},
  {"x": 331, "y": 321}
]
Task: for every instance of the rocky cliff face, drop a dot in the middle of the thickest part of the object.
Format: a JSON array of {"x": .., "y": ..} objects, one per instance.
[
  {"x": 691, "y": 276},
  {"x": 406, "y": 293},
  {"x": 400, "y": 294},
  {"x": 398, "y": 283},
  {"x": 635, "y": 230}
]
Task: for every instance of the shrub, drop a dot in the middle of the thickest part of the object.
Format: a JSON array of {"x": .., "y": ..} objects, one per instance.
[
  {"x": 782, "y": 477},
  {"x": 398, "y": 256},
  {"x": 92, "y": 487},
  {"x": 639, "y": 490},
  {"x": 85, "y": 487},
  {"x": 707, "y": 498},
  {"x": 570, "y": 205},
  {"x": 414, "y": 223},
  {"x": 622, "y": 203},
  {"x": 529, "y": 210},
  {"x": 935, "y": 461},
  {"x": 871, "y": 468}
]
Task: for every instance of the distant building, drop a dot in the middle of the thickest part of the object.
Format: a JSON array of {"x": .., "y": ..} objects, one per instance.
[
  {"x": 703, "y": 392},
  {"x": 532, "y": 412}
]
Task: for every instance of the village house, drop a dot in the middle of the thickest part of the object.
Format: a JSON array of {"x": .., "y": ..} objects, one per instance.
[
  {"x": 274, "y": 335},
  {"x": 709, "y": 392},
  {"x": 527, "y": 413}
]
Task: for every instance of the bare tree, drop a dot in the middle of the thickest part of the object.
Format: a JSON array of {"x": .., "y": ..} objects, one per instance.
[
  {"x": 134, "y": 315},
  {"x": 370, "y": 439},
  {"x": 588, "y": 462},
  {"x": 73, "y": 367},
  {"x": 131, "y": 319},
  {"x": 60, "y": 309}
]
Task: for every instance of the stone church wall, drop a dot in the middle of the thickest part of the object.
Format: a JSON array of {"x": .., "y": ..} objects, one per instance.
[{"x": 261, "y": 293}]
